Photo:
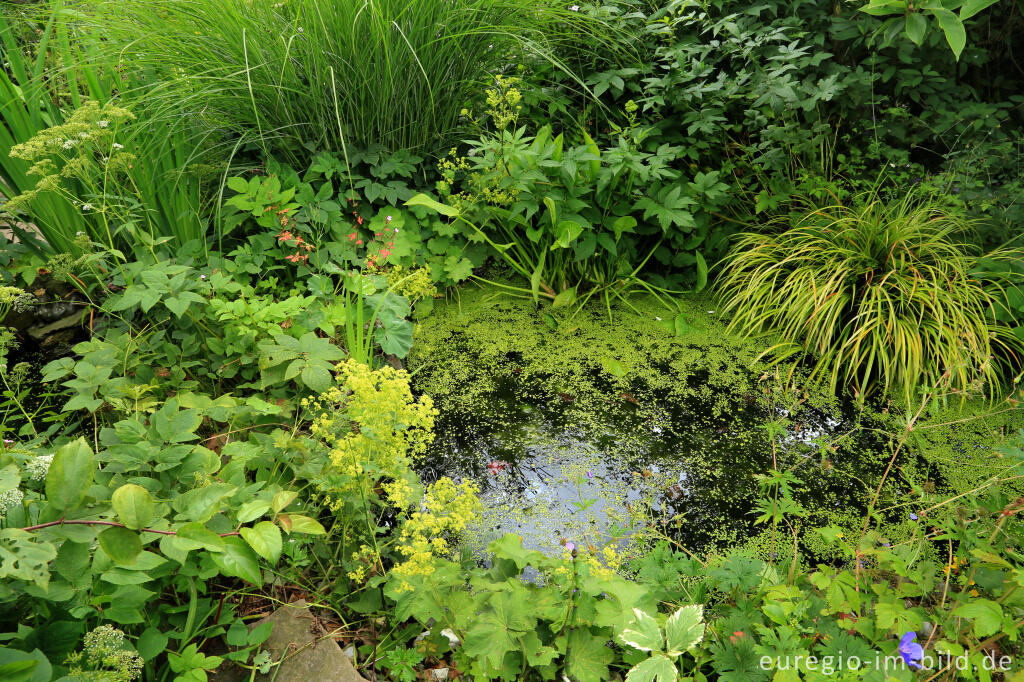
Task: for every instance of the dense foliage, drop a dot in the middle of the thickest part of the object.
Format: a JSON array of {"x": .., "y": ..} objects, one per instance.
[{"x": 223, "y": 222}]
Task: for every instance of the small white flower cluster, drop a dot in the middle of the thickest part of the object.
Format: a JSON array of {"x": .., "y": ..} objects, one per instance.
[
  {"x": 37, "y": 467},
  {"x": 102, "y": 124},
  {"x": 9, "y": 499}
]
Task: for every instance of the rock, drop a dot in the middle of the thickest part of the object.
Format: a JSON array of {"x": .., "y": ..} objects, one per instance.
[
  {"x": 309, "y": 656},
  {"x": 439, "y": 673},
  {"x": 41, "y": 331}
]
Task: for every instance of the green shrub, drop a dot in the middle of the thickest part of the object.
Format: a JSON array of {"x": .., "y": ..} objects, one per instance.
[{"x": 880, "y": 293}]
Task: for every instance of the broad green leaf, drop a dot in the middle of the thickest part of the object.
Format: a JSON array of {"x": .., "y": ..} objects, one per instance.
[
  {"x": 151, "y": 643},
  {"x": 72, "y": 560},
  {"x": 10, "y": 477},
  {"x": 655, "y": 669},
  {"x": 565, "y": 297},
  {"x": 433, "y": 204},
  {"x": 917, "y": 26},
  {"x": 252, "y": 510},
  {"x": 265, "y": 539},
  {"x": 121, "y": 544},
  {"x": 18, "y": 671},
  {"x": 282, "y": 500},
  {"x": 622, "y": 225},
  {"x": 986, "y": 615},
  {"x": 684, "y": 629},
  {"x": 972, "y": 7},
  {"x": 23, "y": 557},
  {"x": 70, "y": 475},
  {"x": 395, "y": 338},
  {"x": 587, "y": 657},
  {"x": 316, "y": 377},
  {"x": 643, "y": 633},
  {"x": 613, "y": 367},
  {"x": 956, "y": 34},
  {"x": 881, "y": 8},
  {"x": 566, "y": 233},
  {"x": 134, "y": 505},
  {"x": 200, "y": 504},
  {"x": 197, "y": 536},
  {"x": 238, "y": 560},
  {"x": 296, "y": 523}
]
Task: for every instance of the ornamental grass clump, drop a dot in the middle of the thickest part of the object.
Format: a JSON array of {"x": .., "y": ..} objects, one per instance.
[{"x": 880, "y": 293}]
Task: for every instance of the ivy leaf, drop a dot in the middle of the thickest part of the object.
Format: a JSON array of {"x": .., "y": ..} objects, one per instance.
[
  {"x": 684, "y": 629},
  {"x": 120, "y": 544},
  {"x": 587, "y": 657},
  {"x": 658, "y": 668},
  {"x": 238, "y": 560},
  {"x": 134, "y": 505},
  {"x": 643, "y": 633},
  {"x": 265, "y": 539},
  {"x": 70, "y": 475}
]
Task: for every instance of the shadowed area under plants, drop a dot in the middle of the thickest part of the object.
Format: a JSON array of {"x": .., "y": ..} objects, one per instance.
[{"x": 611, "y": 436}]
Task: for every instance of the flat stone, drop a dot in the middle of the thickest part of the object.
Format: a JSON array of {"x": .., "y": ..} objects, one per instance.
[
  {"x": 310, "y": 657},
  {"x": 41, "y": 332}
]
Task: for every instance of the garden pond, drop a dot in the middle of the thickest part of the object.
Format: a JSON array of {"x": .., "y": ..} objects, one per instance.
[{"x": 657, "y": 425}]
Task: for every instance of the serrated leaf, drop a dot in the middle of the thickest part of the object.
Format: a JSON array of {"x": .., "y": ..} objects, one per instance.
[
  {"x": 586, "y": 657},
  {"x": 643, "y": 633},
  {"x": 655, "y": 669},
  {"x": 684, "y": 629},
  {"x": 987, "y": 616}
]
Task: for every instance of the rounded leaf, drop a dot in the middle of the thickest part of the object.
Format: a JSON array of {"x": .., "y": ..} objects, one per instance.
[
  {"x": 265, "y": 539},
  {"x": 134, "y": 505},
  {"x": 121, "y": 544}
]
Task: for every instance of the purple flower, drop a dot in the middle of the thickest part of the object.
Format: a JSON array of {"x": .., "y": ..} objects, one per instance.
[
  {"x": 911, "y": 651},
  {"x": 569, "y": 547},
  {"x": 913, "y": 516},
  {"x": 590, "y": 475}
]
